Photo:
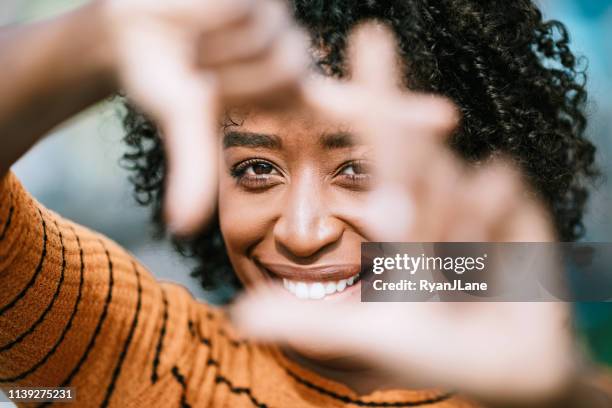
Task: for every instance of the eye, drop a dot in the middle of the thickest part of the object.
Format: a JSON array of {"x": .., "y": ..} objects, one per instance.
[
  {"x": 258, "y": 169},
  {"x": 355, "y": 169},
  {"x": 256, "y": 174},
  {"x": 355, "y": 175}
]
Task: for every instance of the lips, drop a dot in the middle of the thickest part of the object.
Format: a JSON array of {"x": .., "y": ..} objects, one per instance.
[
  {"x": 314, "y": 282},
  {"x": 312, "y": 273}
]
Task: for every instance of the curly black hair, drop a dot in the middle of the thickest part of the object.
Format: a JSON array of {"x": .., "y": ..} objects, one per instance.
[{"x": 519, "y": 87}]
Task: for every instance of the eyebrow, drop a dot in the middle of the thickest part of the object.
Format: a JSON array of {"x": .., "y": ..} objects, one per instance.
[
  {"x": 250, "y": 139},
  {"x": 328, "y": 141},
  {"x": 337, "y": 140}
]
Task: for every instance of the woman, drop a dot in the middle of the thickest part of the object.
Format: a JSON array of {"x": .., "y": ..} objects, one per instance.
[{"x": 77, "y": 310}]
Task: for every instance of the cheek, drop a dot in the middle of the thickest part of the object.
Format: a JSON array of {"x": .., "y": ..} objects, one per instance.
[{"x": 246, "y": 218}]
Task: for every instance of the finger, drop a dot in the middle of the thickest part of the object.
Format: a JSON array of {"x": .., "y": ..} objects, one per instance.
[
  {"x": 484, "y": 201},
  {"x": 281, "y": 69},
  {"x": 335, "y": 100},
  {"x": 431, "y": 117},
  {"x": 183, "y": 102},
  {"x": 373, "y": 58},
  {"x": 498, "y": 206},
  {"x": 530, "y": 222},
  {"x": 373, "y": 95},
  {"x": 375, "y": 78},
  {"x": 404, "y": 128},
  {"x": 254, "y": 37},
  {"x": 385, "y": 335},
  {"x": 375, "y": 65},
  {"x": 407, "y": 140},
  {"x": 195, "y": 14},
  {"x": 191, "y": 143},
  {"x": 391, "y": 213},
  {"x": 214, "y": 14},
  {"x": 435, "y": 189},
  {"x": 338, "y": 326}
]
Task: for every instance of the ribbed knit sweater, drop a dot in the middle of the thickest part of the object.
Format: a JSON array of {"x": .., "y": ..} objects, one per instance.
[{"x": 77, "y": 310}]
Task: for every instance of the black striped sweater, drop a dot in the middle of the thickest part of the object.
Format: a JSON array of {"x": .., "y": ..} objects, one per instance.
[{"x": 77, "y": 310}]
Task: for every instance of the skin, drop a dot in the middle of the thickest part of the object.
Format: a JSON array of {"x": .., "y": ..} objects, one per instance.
[
  {"x": 304, "y": 219},
  {"x": 304, "y": 207},
  {"x": 304, "y": 216},
  {"x": 312, "y": 215},
  {"x": 119, "y": 44}
]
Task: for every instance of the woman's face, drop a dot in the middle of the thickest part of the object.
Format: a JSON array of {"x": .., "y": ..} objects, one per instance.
[{"x": 291, "y": 198}]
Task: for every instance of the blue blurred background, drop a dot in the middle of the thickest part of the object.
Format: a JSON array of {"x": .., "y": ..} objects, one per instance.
[{"x": 75, "y": 171}]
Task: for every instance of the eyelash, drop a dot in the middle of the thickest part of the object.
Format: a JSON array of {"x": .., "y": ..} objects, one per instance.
[
  {"x": 263, "y": 181},
  {"x": 253, "y": 181},
  {"x": 355, "y": 181}
]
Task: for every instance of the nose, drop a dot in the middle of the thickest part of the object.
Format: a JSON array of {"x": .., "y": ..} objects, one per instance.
[{"x": 306, "y": 226}]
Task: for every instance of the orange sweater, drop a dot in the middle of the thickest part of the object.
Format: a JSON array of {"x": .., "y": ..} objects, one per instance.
[{"x": 77, "y": 310}]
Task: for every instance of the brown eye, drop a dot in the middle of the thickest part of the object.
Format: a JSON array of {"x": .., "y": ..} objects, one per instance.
[
  {"x": 256, "y": 174},
  {"x": 260, "y": 168},
  {"x": 254, "y": 168},
  {"x": 355, "y": 169},
  {"x": 355, "y": 175}
]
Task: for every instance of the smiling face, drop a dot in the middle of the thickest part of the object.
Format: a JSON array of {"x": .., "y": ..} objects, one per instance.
[{"x": 291, "y": 198}]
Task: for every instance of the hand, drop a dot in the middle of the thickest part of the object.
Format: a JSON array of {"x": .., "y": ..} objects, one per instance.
[
  {"x": 442, "y": 197},
  {"x": 181, "y": 60},
  {"x": 494, "y": 351}
]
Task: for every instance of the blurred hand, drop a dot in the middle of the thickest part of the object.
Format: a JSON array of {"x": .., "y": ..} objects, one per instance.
[
  {"x": 495, "y": 351},
  {"x": 181, "y": 60},
  {"x": 441, "y": 198}
]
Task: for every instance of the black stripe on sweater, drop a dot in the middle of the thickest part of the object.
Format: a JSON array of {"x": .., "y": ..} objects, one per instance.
[
  {"x": 43, "y": 254},
  {"x": 92, "y": 341},
  {"x": 190, "y": 326},
  {"x": 77, "y": 303},
  {"x": 7, "y": 224},
  {"x": 41, "y": 318},
  {"x": 160, "y": 341},
  {"x": 233, "y": 342},
  {"x": 219, "y": 379},
  {"x": 347, "y": 400},
  {"x": 42, "y": 361},
  {"x": 128, "y": 340},
  {"x": 344, "y": 398},
  {"x": 180, "y": 378},
  {"x": 361, "y": 403}
]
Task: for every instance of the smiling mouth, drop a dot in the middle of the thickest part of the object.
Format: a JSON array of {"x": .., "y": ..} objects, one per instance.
[
  {"x": 314, "y": 283},
  {"x": 318, "y": 290}
]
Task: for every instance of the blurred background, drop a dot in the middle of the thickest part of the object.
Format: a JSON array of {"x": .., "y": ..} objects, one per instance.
[{"x": 76, "y": 170}]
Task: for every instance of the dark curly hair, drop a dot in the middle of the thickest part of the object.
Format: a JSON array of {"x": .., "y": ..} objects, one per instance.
[{"x": 519, "y": 87}]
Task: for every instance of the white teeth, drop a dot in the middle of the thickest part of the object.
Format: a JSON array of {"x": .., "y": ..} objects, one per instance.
[
  {"x": 301, "y": 290},
  {"x": 330, "y": 288},
  {"x": 341, "y": 285},
  {"x": 317, "y": 290}
]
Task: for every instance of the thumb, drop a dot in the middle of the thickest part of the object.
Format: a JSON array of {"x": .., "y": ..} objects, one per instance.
[{"x": 270, "y": 315}]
